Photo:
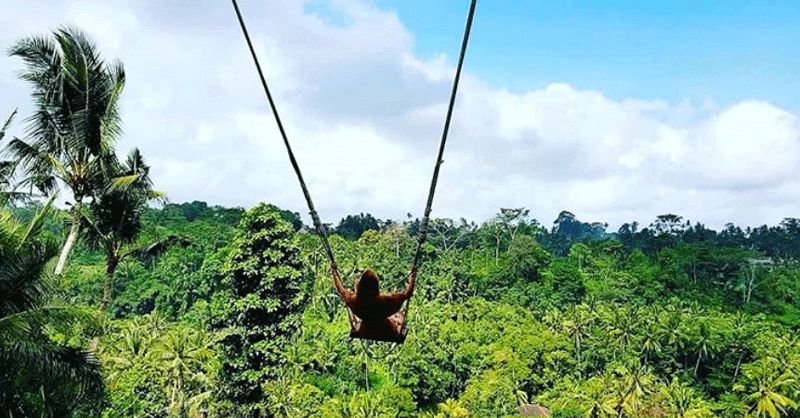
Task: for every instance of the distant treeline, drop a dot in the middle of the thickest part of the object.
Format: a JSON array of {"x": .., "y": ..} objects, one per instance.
[{"x": 780, "y": 242}]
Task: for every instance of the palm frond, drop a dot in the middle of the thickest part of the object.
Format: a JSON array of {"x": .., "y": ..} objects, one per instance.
[
  {"x": 92, "y": 235},
  {"x": 40, "y": 54},
  {"x": 7, "y": 168},
  {"x": 21, "y": 283},
  {"x": 62, "y": 317},
  {"x": 72, "y": 369},
  {"x": 35, "y": 225},
  {"x": 25, "y": 153},
  {"x": 111, "y": 126},
  {"x": 37, "y": 164},
  {"x": 158, "y": 196},
  {"x": 122, "y": 183},
  {"x": 15, "y": 327},
  {"x": 7, "y": 124}
]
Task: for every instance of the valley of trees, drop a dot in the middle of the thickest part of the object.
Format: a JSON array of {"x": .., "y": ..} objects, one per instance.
[{"x": 124, "y": 305}]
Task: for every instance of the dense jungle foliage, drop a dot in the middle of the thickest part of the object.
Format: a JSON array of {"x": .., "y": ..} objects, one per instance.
[
  {"x": 121, "y": 307},
  {"x": 669, "y": 320}
]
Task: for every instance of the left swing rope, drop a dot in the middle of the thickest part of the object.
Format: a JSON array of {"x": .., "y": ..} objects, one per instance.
[{"x": 314, "y": 216}]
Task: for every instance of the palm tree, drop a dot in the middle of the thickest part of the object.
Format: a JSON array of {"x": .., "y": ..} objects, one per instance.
[
  {"x": 622, "y": 328},
  {"x": 116, "y": 213},
  {"x": 651, "y": 343},
  {"x": 131, "y": 348},
  {"x": 764, "y": 386},
  {"x": 672, "y": 331},
  {"x": 683, "y": 400},
  {"x": 597, "y": 394},
  {"x": 452, "y": 409},
  {"x": 75, "y": 121},
  {"x": 704, "y": 345},
  {"x": 185, "y": 355},
  {"x": 636, "y": 384},
  {"x": 38, "y": 377}
]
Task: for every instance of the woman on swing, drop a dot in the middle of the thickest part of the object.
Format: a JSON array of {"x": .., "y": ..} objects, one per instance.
[{"x": 380, "y": 314}]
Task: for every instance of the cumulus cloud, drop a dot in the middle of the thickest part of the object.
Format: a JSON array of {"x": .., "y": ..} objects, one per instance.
[{"x": 364, "y": 114}]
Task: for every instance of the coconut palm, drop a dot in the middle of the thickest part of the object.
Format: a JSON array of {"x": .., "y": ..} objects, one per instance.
[
  {"x": 117, "y": 211},
  {"x": 131, "y": 347},
  {"x": 38, "y": 377},
  {"x": 651, "y": 343},
  {"x": 683, "y": 400},
  {"x": 673, "y": 331},
  {"x": 75, "y": 120},
  {"x": 596, "y": 393},
  {"x": 705, "y": 344},
  {"x": 765, "y": 387},
  {"x": 185, "y": 356},
  {"x": 635, "y": 384}
]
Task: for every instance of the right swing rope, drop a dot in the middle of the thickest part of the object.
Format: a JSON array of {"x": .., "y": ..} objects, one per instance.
[{"x": 423, "y": 228}]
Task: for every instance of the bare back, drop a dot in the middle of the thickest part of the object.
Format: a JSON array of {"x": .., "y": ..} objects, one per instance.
[{"x": 372, "y": 308}]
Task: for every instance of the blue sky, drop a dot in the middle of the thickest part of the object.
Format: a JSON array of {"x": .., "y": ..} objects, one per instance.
[{"x": 671, "y": 50}]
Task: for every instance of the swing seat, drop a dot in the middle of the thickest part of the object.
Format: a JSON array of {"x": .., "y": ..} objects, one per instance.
[{"x": 384, "y": 332}]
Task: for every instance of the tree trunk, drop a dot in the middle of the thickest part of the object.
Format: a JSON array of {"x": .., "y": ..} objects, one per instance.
[
  {"x": 736, "y": 372},
  {"x": 697, "y": 365},
  {"x": 71, "y": 238},
  {"x": 112, "y": 261}
]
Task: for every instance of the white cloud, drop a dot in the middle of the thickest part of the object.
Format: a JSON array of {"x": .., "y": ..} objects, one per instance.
[
  {"x": 365, "y": 114},
  {"x": 751, "y": 144}
]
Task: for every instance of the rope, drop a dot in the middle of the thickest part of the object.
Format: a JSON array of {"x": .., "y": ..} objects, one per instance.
[
  {"x": 317, "y": 223},
  {"x": 423, "y": 231},
  {"x": 423, "y": 228}
]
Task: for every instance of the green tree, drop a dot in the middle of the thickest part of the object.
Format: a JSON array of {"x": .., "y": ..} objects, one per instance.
[
  {"x": 452, "y": 409},
  {"x": 38, "y": 377},
  {"x": 705, "y": 344},
  {"x": 683, "y": 401},
  {"x": 154, "y": 368},
  {"x": 763, "y": 385},
  {"x": 597, "y": 395},
  {"x": 261, "y": 311},
  {"x": 117, "y": 214},
  {"x": 521, "y": 266},
  {"x": 75, "y": 121},
  {"x": 185, "y": 356},
  {"x": 352, "y": 227}
]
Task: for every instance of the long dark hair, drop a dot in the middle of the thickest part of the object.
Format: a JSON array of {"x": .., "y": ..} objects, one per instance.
[{"x": 367, "y": 285}]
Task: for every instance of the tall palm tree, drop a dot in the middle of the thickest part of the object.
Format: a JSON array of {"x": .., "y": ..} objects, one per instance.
[
  {"x": 75, "y": 121},
  {"x": 38, "y": 377},
  {"x": 704, "y": 345},
  {"x": 185, "y": 356},
  {"x": 117, "y": 211}
]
